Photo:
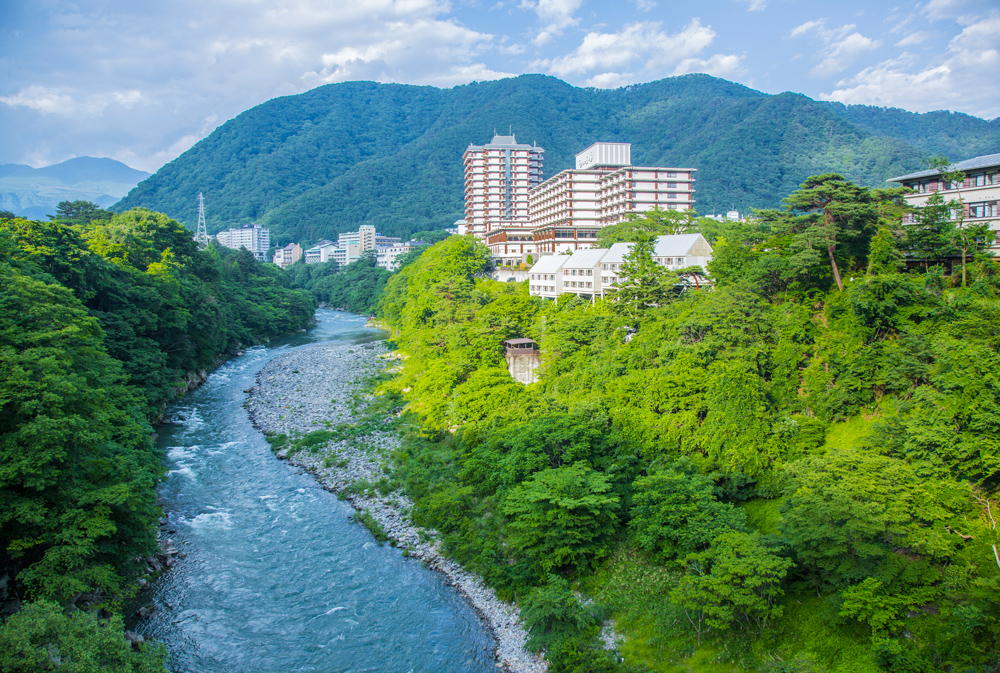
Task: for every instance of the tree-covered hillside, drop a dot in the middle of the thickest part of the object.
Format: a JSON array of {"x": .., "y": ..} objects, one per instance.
[
  {"x": 794, "y": 470},
  {"x": 325, "y": 161}
]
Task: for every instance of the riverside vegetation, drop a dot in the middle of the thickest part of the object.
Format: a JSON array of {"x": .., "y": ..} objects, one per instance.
[
  {"x": 794, "y": 471},
  {"x": 103, "y": 318}
]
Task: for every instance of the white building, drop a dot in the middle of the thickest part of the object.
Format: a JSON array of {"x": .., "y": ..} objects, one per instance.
[
  {"x": 582, "y": 273},
  {"x": 567, "y": 210},
  {"x": 498, "y": 177},
  {"x": 288, "y": 255},
  {"x": 546, "y": 278},
  {"x": 387, "y": 256},
  {"x": 597, "y": 271},
  {"x": 253, "y": 237},
  {"x": 346, "y": 252},
  {"x": 979, "y": 192},
  {"x": 320, "y": 253}
]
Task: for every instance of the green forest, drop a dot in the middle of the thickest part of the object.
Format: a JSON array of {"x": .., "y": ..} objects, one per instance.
[
  {"x": 103, "y": 318},
  {"x": 313, "y": 165},
  {"x": 793, "y": 470}
]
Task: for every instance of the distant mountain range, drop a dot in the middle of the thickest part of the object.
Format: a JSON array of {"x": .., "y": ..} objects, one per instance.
[
  {"x": 322, "y": 162},
  {"x": 35, "y": 192}
]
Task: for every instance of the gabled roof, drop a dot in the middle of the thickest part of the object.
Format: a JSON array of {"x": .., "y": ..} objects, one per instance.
[
  {"x": 586, "y": 259},
  {"x": 616, "y": 254},
  {"x": 985, "y": 161},
  {"x": 549, "y": 264},
  {"x": 676, "y": 245}
]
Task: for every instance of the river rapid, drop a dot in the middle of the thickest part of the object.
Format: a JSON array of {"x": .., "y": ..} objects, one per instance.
[{"x": 276, "y": 577}]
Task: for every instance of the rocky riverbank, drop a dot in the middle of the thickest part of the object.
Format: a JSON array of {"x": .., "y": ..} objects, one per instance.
[{"x": 309, "y": 390}]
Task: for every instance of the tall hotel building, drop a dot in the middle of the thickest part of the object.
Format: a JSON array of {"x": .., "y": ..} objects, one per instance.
[
  {"x": 509, "y": 207},
  {"x": 605, "y": 188},
  {"x": 498, "y": 178}
]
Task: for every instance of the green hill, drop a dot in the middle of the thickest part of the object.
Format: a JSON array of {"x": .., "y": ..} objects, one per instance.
[{"x": 325, "y": 161}]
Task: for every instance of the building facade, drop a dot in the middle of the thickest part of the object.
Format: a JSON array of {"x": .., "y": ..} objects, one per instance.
[
  {"x": 498, "y": 178},
  {"x": 979, "y": 192},
  {"x": 516, "y": 214},
  {"x": 288, "y": 255},
  {"x": 596, "y": 272},
  {"x": 253, "y": 237},
  {"x": 387, "y": 256},
  {"x": 320, "y": 253}
]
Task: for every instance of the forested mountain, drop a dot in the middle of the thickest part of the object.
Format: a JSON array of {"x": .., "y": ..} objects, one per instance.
[
  {"x": 35, "y": 192},
  {"x": 325, "y": 161}
]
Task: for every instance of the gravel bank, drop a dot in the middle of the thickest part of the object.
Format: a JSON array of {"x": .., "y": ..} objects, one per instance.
[{"x": 308, "y": 390}]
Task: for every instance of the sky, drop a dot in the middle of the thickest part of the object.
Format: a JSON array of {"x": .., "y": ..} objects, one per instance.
[{"x": 142, "y": 81}]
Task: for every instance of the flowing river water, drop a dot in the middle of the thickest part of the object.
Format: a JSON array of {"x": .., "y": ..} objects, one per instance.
[{"x": 276, "y": 577}]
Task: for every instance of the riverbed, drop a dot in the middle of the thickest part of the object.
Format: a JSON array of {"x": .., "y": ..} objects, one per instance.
[{"x": 276, "y": 577}]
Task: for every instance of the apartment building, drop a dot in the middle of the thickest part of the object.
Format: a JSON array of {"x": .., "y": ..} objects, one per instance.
[
  {"x": 979, "y": 191},
  {"x": 320, "y": 253},
  {"x": 253, "y": 237},
  {"x": 366, "y": 238},
  {"x": 498, "y": 178},
  {"x": 387, "y": 256},
  {"x": 288, "y": 255}
]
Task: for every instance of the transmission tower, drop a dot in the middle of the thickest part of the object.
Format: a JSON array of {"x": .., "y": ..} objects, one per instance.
[{"x": 202, "y": 234}]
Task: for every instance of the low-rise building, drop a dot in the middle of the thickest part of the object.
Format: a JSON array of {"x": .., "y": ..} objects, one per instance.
[
  {"x": 979, "y": 192},
  {"x": 545, "y": 279},
  {"x": 320, "y": 253},
  {"x": 595, "y": 272},
  {"x": 387, "y": 256},
  {"x": 582, "y": 273}
]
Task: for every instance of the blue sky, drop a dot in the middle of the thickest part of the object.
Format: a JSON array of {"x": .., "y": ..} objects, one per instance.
[{"x": 141, "y": 82}]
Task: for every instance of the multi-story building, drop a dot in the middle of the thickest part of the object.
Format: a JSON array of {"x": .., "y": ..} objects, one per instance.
[
  {"x": 253, "y": 237},
  {"x": 545, "y": 279},
  {"x": 567, "y": 210},
  {"x": 516, "y": 214},
  {"x": 366, "y": 238},
  {"x": 595, "y": 272},
  {"x": 288, "y": 255},
  {"x": 979, "y": 192},
  {"x": 387, "y": 256},
  {"x": 498, "y": 177},
  {"x": 320, "y": 253}
]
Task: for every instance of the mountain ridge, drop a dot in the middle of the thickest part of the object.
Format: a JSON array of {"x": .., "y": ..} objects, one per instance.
[
  {"x": 34, "y": 193},
  {"x": 324, "y": 161}
]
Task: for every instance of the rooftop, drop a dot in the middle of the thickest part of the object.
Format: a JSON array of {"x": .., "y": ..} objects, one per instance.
[
  {"x": 585, "y": 259},
  {"x": 985, "y": 161},
  {"x": 505, "y": 142},
  {"x": 550, "y": 263},
  {"x": 675, "y": 245}
]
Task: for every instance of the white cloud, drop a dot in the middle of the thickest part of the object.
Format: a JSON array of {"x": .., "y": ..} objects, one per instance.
[
  {"x": 719, "y": 65},
  {"x": 918, "y": 37},
  {"x": 641, "y": 41},
  {"x": 755, "y": 5},
  {"x": 41, "y": 98},
  {"x": 641, "y": 50},
  {"x": 963, "y": 78},
  {"x": 841, "y": 46},
  {"x": 555, "y": 15}
]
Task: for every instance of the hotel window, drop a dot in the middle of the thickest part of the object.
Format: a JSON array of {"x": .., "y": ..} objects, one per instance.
[
  {"x": 978, "y": 180},
  {"x": 671, "y": 175},
  {"x": 671, "y": 185}
]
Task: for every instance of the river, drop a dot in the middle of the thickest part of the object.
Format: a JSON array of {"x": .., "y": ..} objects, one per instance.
[{"x": 276, "y": 577}]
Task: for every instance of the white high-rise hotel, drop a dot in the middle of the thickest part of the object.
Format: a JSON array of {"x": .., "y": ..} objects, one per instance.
[{"x": 516, "y": 214}]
